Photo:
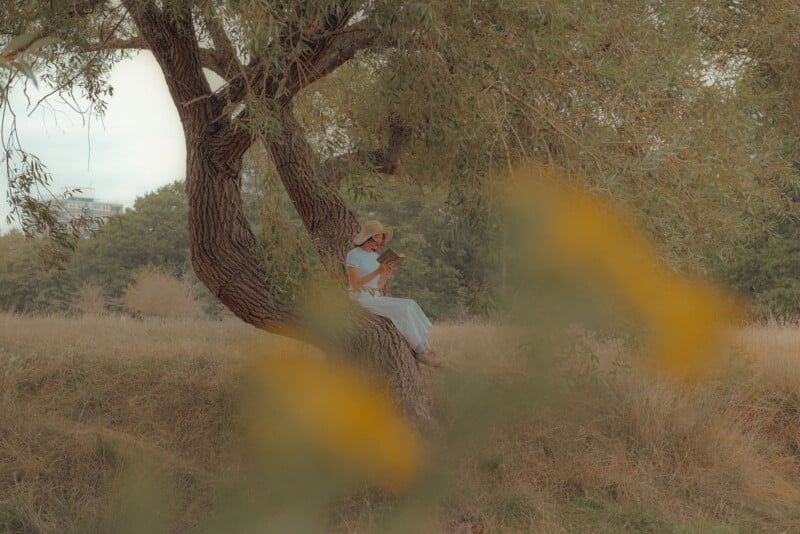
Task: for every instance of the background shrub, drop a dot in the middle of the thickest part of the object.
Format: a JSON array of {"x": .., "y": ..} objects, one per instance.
[{"x": 155, "y": 294}]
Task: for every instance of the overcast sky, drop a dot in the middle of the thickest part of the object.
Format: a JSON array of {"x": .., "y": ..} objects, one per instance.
[{"x": 137, "y": 148}]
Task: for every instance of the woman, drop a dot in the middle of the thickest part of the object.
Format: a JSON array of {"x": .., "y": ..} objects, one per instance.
[{"x": 367, "y": 278}]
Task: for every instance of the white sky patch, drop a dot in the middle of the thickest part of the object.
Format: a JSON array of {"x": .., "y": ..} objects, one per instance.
[{"x": 137, "y": 148}]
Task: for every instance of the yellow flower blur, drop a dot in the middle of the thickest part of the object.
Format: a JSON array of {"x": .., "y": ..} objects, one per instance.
[
  {"x": 347, "y": 418},
  {"x": 585, "y": 237}
]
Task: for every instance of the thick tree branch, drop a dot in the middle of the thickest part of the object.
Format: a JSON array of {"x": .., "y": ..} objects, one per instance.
[
  {"x": 383, "y": 161},
  {"x": 172, "y": 39},
  {"x": 82, "y": 8},
  {"x": 136, "y": 43},
  {"x": 328, "y": 220},
  {"x": 210, "y": 60},
  {"x": 336, "y": 45},
  {"x": 222, "y": 59},
  {"x": 330, "y": 51}
]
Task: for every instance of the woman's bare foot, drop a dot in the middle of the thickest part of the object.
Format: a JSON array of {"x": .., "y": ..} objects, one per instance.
[{"x": 427, "y": 357}]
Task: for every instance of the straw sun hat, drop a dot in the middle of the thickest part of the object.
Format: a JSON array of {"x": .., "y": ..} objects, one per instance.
[{"x": 371, "y": 228}]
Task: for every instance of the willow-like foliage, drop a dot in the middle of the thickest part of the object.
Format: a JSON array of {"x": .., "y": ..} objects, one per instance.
[
  {"x": 631, "y": 98},
  {"x": 682, "y": 113}
]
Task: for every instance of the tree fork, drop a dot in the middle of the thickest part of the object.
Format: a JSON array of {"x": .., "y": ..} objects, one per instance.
[{"x": 223, "y": 247}]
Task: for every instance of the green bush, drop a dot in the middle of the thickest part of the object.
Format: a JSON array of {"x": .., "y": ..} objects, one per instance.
[{"x": 766, "y": 272}]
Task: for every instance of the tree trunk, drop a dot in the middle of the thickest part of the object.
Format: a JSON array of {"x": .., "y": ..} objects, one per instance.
[
  {"x": 382, "y": 350},
  {"x": 223, "y": 248}
]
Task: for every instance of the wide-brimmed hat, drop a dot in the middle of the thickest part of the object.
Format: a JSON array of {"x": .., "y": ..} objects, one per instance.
[{"x": 371, "y": 228}]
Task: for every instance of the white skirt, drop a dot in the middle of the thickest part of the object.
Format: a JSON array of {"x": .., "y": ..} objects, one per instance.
[{"x": 406, "y": 315}]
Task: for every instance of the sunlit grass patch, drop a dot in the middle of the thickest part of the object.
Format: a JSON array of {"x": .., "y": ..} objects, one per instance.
[{"x": 492, "y": 348}]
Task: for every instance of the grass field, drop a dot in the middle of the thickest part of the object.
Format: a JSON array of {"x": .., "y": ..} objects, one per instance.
[{"x": 112, "y": 425}]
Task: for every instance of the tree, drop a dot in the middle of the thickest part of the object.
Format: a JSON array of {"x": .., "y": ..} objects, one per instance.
[
  {"x": 616, "y": 93},
  {"x": 754, "y": 52},
  {"x": 25, "y": 285},
  {"x": 267, "y": 54},
  {"x": 151, "y": 235}
]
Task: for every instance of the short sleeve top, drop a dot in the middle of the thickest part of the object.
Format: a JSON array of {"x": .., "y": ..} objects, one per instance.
[{"x": 365, "y": 262}]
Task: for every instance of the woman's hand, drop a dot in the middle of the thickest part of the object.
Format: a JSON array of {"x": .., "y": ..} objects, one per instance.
[
  {"x": 386, "y": 268},
  {"x": 385, "y": 271}
]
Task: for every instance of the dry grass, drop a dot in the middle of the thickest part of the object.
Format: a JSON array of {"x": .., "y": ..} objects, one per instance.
[
  {"x": 155, "y": 294},
  {"x": 95, "y": 411},
  {"x": 82, "y": 398}
]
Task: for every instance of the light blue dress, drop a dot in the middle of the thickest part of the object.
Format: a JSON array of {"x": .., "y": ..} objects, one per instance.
[{"x": 406, "y": 314}]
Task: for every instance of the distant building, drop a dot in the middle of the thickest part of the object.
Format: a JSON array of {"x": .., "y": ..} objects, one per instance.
[
  {"x": 75, "y": 207},
  {"x": 87, "y": 206}
]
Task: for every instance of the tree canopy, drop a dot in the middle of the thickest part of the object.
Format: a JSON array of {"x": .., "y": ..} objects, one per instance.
[{"x": 653, "y": 103}]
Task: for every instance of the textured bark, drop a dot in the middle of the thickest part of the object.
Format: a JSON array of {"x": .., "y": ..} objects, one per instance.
[
  {"x": 381, "y": 349},
  {"x": 383, "y": 161},
  {"x": 224, "y": 250},
  {"x": 328, "y": 220}
]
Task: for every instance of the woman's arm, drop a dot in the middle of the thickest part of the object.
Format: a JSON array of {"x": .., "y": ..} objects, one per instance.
[{"x": 358, "y": 281}]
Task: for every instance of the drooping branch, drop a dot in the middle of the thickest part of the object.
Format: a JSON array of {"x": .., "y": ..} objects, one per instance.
[{"x": 107, "y": 28}]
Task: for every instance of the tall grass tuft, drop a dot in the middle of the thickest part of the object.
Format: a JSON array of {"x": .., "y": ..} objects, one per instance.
[
  {"x": 155, "y": 294},
  {"x": 90, "y": 300}
]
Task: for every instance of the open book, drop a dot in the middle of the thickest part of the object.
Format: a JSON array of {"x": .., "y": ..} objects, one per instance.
[{"x": 391, "y": 255}]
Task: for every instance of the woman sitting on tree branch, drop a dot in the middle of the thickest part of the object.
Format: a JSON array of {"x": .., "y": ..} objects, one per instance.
[{"x": 367, "y": 278}]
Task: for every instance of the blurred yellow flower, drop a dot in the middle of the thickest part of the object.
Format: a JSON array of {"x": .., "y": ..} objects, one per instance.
[
  {"x": 585, "y": 237},
  {"x": 346, "y": 417}
]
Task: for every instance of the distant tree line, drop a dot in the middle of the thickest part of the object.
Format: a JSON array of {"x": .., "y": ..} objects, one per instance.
[
  {"x": 150, "y": 236},
  {"x": 454, "y": 267},
  {"x": 446, "y": 272}
]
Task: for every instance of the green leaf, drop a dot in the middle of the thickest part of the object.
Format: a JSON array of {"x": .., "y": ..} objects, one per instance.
[
  {"x": 41, "y": 43},
  {"x": 19, "y": 43},
  {"x": 27, "y": 70}
]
